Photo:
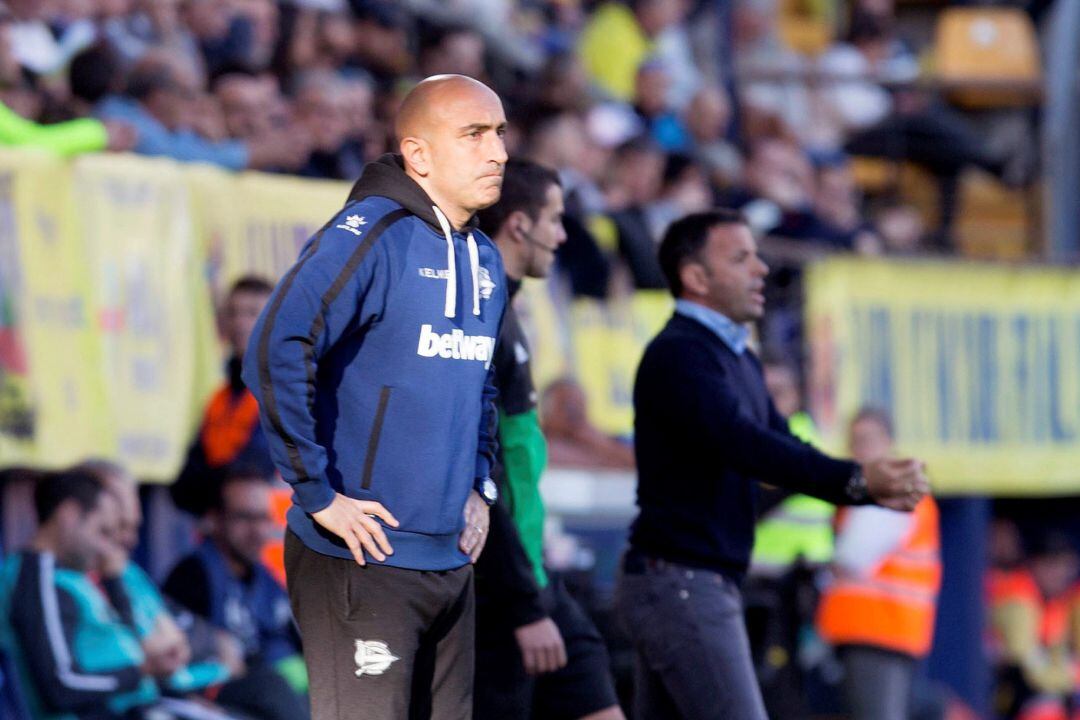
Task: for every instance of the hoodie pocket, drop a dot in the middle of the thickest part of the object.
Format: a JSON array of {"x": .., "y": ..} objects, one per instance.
[{"x": 373, "y": 440}]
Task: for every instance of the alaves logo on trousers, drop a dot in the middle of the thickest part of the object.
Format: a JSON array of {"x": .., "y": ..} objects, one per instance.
[
  {"x": 455, "y": 345},
  {"x": 373, "y": 657}
]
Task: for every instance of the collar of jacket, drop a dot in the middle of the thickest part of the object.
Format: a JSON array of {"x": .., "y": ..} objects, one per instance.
[{"x": 386, "y": 177}]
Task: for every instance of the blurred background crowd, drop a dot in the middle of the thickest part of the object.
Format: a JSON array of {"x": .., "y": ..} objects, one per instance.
[{"x": 865, "y": 127}]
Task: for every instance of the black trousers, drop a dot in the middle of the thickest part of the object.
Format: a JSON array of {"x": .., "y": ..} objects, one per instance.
[{"x": 383, "y": 643}]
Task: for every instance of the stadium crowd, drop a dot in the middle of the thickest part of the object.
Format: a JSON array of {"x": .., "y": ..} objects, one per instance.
[{"x": 648, "y": 109}]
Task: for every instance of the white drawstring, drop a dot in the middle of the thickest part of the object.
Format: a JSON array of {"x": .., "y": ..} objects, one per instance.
[
  {"x": 474, "y": 265},
  {"x": 450, "y": 307}
]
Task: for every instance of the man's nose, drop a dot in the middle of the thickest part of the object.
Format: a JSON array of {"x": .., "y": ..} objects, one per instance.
[{"x": 498, "y": 150}]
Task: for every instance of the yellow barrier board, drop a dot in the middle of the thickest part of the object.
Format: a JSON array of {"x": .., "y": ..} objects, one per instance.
[
  {"x": 51, "y": 397},
  {"x": 979, "y": 366},
  {"x": 146, "y": 297}
]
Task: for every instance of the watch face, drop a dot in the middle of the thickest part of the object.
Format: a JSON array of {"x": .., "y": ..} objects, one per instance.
[{"x": 489, "y": 491}]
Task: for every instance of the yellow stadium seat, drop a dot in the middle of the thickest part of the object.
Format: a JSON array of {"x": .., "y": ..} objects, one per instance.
[
  {"x": 994, "y": 222},
  {"x": 988, "y": 45}
]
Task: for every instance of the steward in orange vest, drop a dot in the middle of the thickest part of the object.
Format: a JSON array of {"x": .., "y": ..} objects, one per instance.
[
  {"x": 1035, "y": 633},
  {"x": 880, "y": 609},
  {"x": 230, "y": 440},
  {"x": 892, "y": 607}
]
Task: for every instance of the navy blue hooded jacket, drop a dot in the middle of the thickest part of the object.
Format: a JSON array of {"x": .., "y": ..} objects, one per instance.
[{"x": 372, "y": 366}]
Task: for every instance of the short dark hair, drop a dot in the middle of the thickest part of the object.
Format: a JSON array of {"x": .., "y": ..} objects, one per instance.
[
  {"x": 54, "y": 489},
  {"x": 868, "y": 413},
  {"x": 686, "y": 237},
  {"x": 524, "y": 187},
  {"x": 234, "y": 475},
  {"x": 255, "y": 284},
  {"x": 94, "y": 72},
  {"x": 148, "y": 78}
]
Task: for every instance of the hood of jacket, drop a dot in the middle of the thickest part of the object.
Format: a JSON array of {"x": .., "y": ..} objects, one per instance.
[{"x": 386, "y": 177}]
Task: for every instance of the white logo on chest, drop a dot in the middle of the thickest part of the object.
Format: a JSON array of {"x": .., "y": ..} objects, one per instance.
[{"x": 455, "y": 345}]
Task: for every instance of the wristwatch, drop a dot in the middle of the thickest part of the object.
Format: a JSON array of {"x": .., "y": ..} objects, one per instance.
[
  {"x": 856, "y": 489},
  {"x": 487, "y": 489}
]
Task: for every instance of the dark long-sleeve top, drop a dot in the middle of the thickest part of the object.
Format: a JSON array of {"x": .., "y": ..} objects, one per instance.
[{"x": 706, "y": 433}]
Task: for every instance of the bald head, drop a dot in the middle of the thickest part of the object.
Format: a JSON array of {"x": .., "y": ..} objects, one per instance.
[
  {"x": 450, "y": 132},
  {"x": 430, "y": 103}
]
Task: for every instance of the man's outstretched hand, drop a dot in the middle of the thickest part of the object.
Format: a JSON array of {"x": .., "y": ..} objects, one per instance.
[
  {"x": 895, "y": 483},
  {"x": 354, "y": 522}
]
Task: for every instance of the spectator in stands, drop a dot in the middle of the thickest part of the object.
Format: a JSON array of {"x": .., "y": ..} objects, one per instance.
[
  {"x": 1036, "y": 638},
  {"x": 771, "y": 83},
  {"x": 44, "y": 38},
  {"x": 74, "y": 137},
  {"x": 57, "y": 600},
  {"x": 573, "y": 441},
  {"x": 357, "y": 98},
  {"x": 838, "y": 217},
  {"x": 225, "y": 582},
  {"x": 636, "y": 177},
  {"x": 224, "y": 33},
  {"x": 562, "y": 142},
  {"x": 652, "y": 105},
  {"x": 320, "y": 111},
  {"x": 707, "y": 119},
  {"x": 906, "y": 127},
  {"x": 50, "y": 605},
  {"x": 146, "y": 25},
  {"x": 777, "y": 188},
  {"x": 158, "y": 103},
  {"x": 562, "y": 86},
  {"x": 229, "y": 436},
  {"x": 880, "y": 609},
  {"x": 453, "y": 49},
  {"x": 385, "y": 51},
  {"x": 619, "y": 37},
  {"x": 245, "y": 102},
  {"x": 214, "y": 657}
]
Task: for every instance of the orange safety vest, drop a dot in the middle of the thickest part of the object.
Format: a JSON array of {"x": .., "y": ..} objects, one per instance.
[
  {"x": 227, "y": 425},
  {"x": 1018, "y": 586},
  {"x": 894, "y": 607}
]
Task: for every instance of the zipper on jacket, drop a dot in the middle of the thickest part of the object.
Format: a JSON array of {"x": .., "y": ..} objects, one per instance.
[{"x": 373, "y": 441}]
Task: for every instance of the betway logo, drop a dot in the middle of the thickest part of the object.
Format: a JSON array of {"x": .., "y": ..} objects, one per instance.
[{"x": 455, "y": 345}]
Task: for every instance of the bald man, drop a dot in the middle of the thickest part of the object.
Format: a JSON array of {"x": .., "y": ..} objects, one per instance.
[{"x": 372, "y": 367}]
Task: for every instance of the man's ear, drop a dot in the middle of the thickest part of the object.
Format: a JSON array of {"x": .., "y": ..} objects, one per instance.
[
  {"x": 519, "y": 224},
  {"x": 694, "y": 278},
  {"x": 416, "y": 153}
]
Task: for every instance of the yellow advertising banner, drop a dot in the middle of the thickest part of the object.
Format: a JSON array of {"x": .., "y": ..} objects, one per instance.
[
  {"x": 146, "y": 297},
  {"x": 979, "y": 366},
  {"x": 257, "y": 223},
  {"x": 51, "y": 397}
]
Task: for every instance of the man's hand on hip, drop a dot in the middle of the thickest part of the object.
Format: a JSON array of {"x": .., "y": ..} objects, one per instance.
[
  {"x": 354, "y": 522},
  {"x": 474, "y": 535},
  {"x": 542, "y": 647},
  {"x": 898, "y": 484}
]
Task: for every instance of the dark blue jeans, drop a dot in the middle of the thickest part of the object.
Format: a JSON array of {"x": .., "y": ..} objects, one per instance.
[{"x": 693, "y": 655}]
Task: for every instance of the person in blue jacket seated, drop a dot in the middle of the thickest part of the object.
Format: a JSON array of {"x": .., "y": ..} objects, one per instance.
[{"x": 225, "y": 582}]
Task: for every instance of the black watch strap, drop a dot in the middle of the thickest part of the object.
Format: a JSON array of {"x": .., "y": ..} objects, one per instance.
[{"x": 857, "y": 490}]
